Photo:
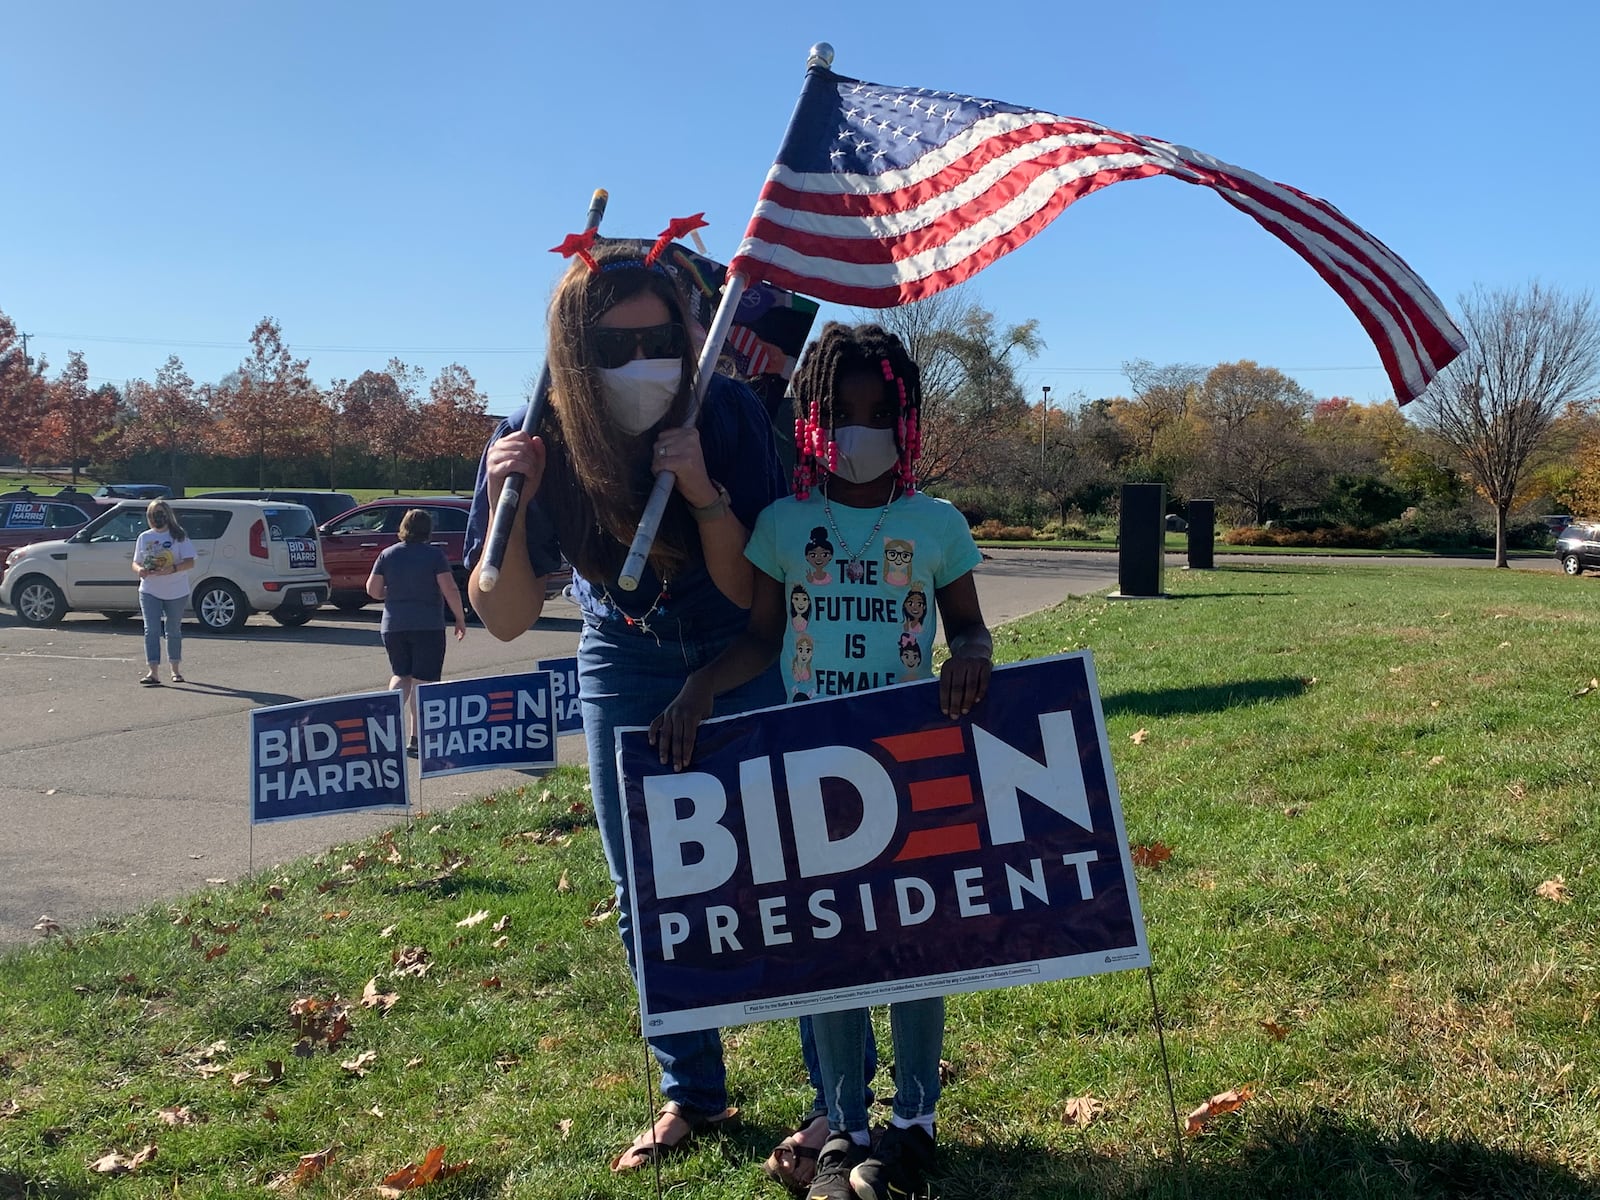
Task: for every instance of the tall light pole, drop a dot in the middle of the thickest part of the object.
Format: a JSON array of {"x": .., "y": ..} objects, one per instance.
[{"x": 1044, "y": 427}]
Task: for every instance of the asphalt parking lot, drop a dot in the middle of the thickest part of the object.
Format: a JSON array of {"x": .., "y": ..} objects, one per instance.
[{"x": 116, "y": 795}]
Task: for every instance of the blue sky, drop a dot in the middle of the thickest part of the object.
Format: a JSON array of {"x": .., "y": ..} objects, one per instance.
[{"x": 385, "y": 179}]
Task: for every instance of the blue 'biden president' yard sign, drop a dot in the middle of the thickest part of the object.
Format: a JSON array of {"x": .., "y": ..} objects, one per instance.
[
  {"x": 483, "y": 724},
  {"x": 342, "y": 754},
  {"x": 867, "y": 849}
]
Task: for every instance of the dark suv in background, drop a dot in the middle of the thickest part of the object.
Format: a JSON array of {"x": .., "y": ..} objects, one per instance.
[
  {"x": 324, "y": 506},
  {"x": 1579, "y": 547}
]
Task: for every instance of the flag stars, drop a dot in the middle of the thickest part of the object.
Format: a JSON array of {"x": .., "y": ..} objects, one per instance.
[{"x": 948, "y": 115}]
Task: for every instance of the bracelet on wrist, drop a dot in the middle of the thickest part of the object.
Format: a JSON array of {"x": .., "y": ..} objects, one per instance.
[{"x": 714, "y": 510}]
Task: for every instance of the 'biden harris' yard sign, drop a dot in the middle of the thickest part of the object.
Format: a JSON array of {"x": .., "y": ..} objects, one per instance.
[
  {"x": 867, "y": 849},
  {"x": 342, "y": 754}
]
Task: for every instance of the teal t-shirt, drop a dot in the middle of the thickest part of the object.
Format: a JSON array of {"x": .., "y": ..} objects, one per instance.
[{"x": 860, "y": 605}]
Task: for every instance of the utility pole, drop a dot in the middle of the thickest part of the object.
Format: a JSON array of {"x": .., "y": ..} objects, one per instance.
[
  {"x": 27, "y": 363},
  {"x": 1044, "y": 428}
]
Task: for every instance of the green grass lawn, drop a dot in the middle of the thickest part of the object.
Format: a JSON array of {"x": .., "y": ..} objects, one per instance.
[{"x": 1364, "y": 778}]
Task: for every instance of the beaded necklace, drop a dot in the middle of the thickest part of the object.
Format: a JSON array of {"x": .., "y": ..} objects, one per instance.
[
  {"x": 854, "y": 569},
  {"x": 642, "y": 624}
]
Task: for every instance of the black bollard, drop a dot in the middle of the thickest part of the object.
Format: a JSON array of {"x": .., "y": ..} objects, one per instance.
[
  {"x": 1202, "y": 534},
  {"x": 1141, "y": 540}
]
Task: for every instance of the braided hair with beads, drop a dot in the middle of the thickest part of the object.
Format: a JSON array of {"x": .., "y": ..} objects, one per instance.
[{"x": 839, "y": 351}]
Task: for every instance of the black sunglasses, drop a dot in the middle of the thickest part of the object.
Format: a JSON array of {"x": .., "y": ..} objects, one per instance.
[{"x": 616, "y": 347}]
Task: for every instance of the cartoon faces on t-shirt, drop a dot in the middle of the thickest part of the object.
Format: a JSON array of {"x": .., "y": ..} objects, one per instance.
[
  {"x": 856, "y": 620},
  {"x": 819, "y": 553},
  {"x": 799, "y": 607},
  {"x": 897, "y": 561},
  {"x": 914, "y": 609}
]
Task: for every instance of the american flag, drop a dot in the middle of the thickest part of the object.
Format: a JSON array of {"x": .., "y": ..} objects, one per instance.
[{"x": 885, "y": 195}]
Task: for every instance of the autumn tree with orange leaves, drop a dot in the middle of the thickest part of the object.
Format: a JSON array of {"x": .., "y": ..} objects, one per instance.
[
  {"x": 169, "y": 416},
  {"x": 268, "y": 409},
  {"x": 454, "y": 417},
  {"x": 78, "y": 416}
]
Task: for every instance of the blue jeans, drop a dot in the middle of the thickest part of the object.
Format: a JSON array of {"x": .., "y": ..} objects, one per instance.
[
  {"x": 154, "y": 609},
  {"x": 626, "y": 678},
  {"x": 842, "y": 1041}
]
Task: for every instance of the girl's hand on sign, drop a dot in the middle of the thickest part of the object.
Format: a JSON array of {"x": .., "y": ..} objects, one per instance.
[
  {"x": 673, "y": 732},
  {"x": 963, "y": 681}
]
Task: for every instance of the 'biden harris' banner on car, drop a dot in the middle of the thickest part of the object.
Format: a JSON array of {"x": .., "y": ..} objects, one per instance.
[
  {"x": 867, "y": 849},
  {"x": 342, "y": 754}
]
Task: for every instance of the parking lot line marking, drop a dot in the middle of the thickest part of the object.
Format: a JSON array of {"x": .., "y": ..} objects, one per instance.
[{"x": 71, "y": 657}]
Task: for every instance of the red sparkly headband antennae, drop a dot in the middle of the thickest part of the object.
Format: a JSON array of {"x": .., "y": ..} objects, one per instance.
[
  {"x": 675, "y": 229},
  {"x": 579, "y": 244}
]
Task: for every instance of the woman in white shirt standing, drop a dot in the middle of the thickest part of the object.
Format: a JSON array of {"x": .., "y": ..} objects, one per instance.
[{"x": 162, "y": 558}]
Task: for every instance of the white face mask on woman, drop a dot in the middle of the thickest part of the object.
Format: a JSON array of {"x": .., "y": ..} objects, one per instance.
[
  {"x": 638, "y": 394},
  {"x": 864, "y": 453}
]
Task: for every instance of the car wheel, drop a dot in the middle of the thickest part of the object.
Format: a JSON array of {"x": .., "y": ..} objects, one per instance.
[
  {"x": 39, "y": 602},
  {"x": 350, "y": 604},
  {"x": 119, "y": 618},
  {"x": 220, "y": 606},
  {"x": 1571, "y": 565},
  {"x": 293, "y": 616}
]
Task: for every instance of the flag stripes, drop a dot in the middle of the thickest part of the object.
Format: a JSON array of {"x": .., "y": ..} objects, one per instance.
[{"x": 884, "y": 196}]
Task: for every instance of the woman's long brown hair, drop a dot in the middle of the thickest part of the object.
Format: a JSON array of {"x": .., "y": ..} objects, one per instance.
[{"x": 597, "y": 478}]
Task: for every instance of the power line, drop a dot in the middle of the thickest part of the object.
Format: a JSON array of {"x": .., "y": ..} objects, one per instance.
[{"x": 196, "y": 345}]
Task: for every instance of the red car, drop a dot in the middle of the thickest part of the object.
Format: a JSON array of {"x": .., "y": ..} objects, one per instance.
[
  {"x": 352, "y": 541},
  {"x": 36, "y": 519}
]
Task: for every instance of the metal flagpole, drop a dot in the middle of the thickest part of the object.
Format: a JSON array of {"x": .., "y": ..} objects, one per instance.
[
  {"x": 505, "y": 513},
  {"x": 821, "y": 57}
]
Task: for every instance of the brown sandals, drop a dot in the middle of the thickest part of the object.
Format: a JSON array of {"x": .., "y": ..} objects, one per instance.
[
  {"x": 793, "y": 1163},
  {"x": 650, "y": 1146}
]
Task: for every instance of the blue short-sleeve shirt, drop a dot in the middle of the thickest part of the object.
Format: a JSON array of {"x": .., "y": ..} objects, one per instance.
[{"x": 740, "y": 453}]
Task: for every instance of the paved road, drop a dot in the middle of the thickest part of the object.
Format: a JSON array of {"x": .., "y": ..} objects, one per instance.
[{"x": 115, "y": 795}]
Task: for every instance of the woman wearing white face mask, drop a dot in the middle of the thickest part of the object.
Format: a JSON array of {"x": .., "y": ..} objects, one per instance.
[{"x": 621, "y": 367}]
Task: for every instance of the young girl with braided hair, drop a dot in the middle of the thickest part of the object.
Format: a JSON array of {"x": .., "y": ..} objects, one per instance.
[{"x": 858, "y": 397}]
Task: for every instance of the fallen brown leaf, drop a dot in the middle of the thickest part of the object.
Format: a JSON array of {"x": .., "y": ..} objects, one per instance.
[
  {"x": 371, "y": 997},
  {"x": 411, "y": 1176},
  {"x": 311, "y": 1166},
  {"x": 1554, "y": 889},
  {"x": 1140, "y": 737},
  {"x": 468, "y": 922},
  {"x": 1275, "y": 1031},
  {"x": 503, "y": 923},
  {"x": 117, "y": 1163},
  {"x": 1592, "y": 686},
  {"x": 178, "y": 1114},
  {"x": 46, "y": 925},
  {"x": 1222, "y": 1102},
  {"x": 565, "y": 1126},
  {"x": 358, "y": 1065},
  {"x": 1152, "y": 855},
  {"x": 1082, "y": 1111},
  {"x": 492, "y": 982},
  {"x": 563, "y": 884},
  {"x": 216, "y": 951}
]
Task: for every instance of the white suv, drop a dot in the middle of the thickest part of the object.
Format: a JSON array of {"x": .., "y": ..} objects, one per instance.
[{"x": 250, "y": 556}]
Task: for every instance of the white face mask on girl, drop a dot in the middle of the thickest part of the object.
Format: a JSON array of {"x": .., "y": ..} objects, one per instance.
[
  {"x": 864, "y": 453},
  {"x": 638, "y": 394}
]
